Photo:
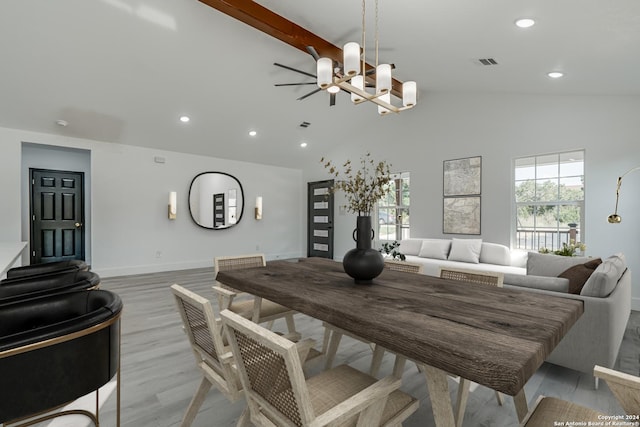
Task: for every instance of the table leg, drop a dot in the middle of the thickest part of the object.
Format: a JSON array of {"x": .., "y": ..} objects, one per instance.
[
  {"x": 398, "y": 366},
  {"x": 520, "y": 402},
  {"x": 439, "y": 394}
]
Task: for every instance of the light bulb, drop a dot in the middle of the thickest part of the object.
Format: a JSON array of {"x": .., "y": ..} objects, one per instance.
[
  {"x": 324, "y": 72},
  {"x": 351, "y": 58},
  {"x": 357, "y": 81}
]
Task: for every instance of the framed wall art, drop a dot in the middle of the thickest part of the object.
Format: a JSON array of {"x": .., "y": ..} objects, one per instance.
[
  {"x": 461, "y": 215},
  {"x": 462, "y": 177}
]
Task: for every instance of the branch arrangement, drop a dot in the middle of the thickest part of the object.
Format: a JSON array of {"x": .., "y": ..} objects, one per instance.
[{"x": 363, "y": 186}]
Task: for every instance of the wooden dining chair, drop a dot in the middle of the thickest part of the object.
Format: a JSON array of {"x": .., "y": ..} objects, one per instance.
[
  {"x": 492, "y": 278},
  {"x": 476, "y": 277},
  {"x": 278, "y": 394},
  {"x": 255, "y": 308},
  {"x": 409, "y": 267},
  {"x": 213, "y": 355},
  {"x": 625, "y": 388},
  {"x": 333, "y": 335}
]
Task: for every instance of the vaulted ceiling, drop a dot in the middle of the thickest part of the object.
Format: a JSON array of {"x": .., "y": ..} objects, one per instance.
[{"x": 123, "y": 71}]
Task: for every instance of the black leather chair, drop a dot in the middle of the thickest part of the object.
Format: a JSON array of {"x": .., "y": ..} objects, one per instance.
[
  {"x": 32, "y": 286},
  {"x": 47, "y": 268},
  {"x": 55, "y": 349}
]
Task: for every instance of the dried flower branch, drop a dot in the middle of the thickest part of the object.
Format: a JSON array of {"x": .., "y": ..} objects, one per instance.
[{"x": 364, "y": 187}]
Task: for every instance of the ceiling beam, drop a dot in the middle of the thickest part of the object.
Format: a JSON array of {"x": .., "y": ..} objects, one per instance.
[{"x": 263, "y": 19}]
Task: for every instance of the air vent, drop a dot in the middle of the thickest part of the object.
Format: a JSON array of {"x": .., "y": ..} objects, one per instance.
[
  {"x": 488, "y": 61},
  {"x": 305, "y": 124}
]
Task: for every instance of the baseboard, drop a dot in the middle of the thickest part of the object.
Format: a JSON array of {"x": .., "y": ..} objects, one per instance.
[
  {"x": 635, "y": 304},
  {"x": 151, "y": 268},
  {"x": 175, "y": 266},
  {"x": 289, "y": 255}
]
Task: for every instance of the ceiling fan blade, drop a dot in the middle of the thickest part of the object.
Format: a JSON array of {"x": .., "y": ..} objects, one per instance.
[
  {"x": 294, "y": 84},
  {"x": 332, "y": 99},
  {"x": 312, "y": 52},
  {"x": 309, "y": 94},
  {"x": 294, "y": 69}
]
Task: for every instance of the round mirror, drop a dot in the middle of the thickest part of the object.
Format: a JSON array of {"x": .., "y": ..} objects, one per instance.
[{"x": 216, "y": 200}]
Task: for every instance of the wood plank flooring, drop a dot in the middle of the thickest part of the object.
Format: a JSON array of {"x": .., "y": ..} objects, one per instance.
[{"x": 159, "y": 375}]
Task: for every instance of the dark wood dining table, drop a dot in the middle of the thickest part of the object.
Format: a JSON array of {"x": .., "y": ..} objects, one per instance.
[{"x": 492, "y": 336}]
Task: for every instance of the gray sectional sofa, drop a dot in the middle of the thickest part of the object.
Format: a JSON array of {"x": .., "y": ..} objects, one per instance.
[{"x": 595, "y": 338}]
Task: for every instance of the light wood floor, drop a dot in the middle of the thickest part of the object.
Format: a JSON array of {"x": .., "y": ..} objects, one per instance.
[{"x": 159, "y": 375}]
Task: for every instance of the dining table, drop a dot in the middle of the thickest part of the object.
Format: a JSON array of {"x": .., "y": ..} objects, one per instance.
[{"x": 496, "y": 337}]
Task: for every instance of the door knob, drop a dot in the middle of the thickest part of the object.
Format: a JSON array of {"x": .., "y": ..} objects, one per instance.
[{"x": 78, "y": 224}]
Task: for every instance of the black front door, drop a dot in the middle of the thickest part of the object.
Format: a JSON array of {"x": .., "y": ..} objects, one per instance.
[
  {"x": 57, "y": 215},
  {"x": 320, "y": 219}
]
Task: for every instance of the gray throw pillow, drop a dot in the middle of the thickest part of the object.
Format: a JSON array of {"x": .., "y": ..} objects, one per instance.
[
  {"x": 605, "y": 278},
  {"x": 551, "y": 265}
]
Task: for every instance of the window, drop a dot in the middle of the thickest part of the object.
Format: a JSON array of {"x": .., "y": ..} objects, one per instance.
[
  {"x": 393, "y": 209},
  {"x": 549, "y": 200}
]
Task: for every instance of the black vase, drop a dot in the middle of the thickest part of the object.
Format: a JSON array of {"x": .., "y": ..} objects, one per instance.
[{"x": 363, "y": 263}]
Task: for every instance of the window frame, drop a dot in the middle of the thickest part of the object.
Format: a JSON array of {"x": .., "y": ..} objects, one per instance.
[
  {"x": 560, "y": 234},
  {"x": 402, "y": 228}
]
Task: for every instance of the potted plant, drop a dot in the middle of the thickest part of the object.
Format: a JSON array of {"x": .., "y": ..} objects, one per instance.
[{"x": 389, "y": 250}]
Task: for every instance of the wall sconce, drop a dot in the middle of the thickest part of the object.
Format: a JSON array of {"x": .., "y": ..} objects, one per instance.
[
  {"x": 172, "y": 205},
  {"x": 258, "y": 208},
  {"x": 614, "y": 218}
]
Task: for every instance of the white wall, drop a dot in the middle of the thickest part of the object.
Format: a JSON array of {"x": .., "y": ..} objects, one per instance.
[
  {"x": 500, "y": 128},
  {"x": 130, "y": 231}
]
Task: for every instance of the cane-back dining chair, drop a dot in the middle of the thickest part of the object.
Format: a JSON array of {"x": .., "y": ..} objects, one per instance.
[
  {"x": 625, "y": 388},
  {"x": 278, "y": 394},
  {"x": 492, "y": 278},
  {"x": 212, "y": 353},
  {"x": 251, "y": 307},
  {"x": 409, "y": 267}
]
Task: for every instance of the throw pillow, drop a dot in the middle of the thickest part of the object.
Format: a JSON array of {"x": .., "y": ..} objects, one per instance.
[
  {"x": 410, "y": 246},
  {"x": 465, "y": 250},
  {"x": 605, "y": 278},
  {"x": 435, "y": 248},
  {"x": 578, "y": 275}
]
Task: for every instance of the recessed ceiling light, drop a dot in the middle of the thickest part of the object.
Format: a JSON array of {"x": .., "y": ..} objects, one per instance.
[
  {"x": 555, "y": 74},
  {"x": 525, "y": 23},
  {"x": 252, "y": 133},
  {"x": 303, "y": 144},
  {"x": 62, "y": 123},
  {"x": 184, "y": 119}
]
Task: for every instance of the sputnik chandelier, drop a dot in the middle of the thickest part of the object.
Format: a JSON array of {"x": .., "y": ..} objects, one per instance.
[{"x": 352, "y": 78}]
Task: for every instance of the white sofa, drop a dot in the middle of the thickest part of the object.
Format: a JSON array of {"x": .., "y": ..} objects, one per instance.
[
  {"x": 466, "y": 254},
  {"x": 595, "y": 338}
]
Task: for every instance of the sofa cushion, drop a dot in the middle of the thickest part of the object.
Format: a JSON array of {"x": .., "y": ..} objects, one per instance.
[
  {"x": 493, "y": 253},
  {"x": 465, "y": 250},
  {"x": 605, "y": 278},
  {"x": 435, "y": 248},
  {"x": 556, "y": 284},
  {"x": 579, "y": 274},
  {"x": 551, "y": 265},
  {"x": 410, "y": 246}
]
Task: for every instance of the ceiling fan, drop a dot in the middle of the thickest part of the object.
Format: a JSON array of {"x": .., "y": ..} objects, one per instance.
[{"x": 337, "y": 70}]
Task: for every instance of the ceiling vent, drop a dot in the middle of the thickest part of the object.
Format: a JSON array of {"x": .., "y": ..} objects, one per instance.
[
  {"x": 487, "y": 61},
  {"x": 305, "y": 124}
]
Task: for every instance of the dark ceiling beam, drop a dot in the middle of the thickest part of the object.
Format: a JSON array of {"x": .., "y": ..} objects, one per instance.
[{"x": 263, "y": 19}]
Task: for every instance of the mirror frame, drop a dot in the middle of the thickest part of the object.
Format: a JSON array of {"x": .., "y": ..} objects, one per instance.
[{"x": 241, "y": 192}]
